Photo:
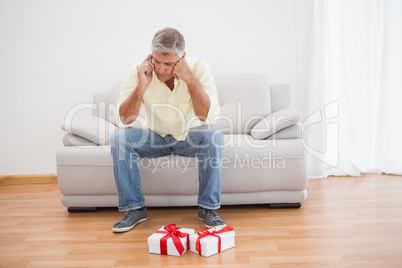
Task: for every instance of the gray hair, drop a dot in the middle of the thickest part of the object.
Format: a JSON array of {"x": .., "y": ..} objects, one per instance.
[{"x": 168, "y": 41}]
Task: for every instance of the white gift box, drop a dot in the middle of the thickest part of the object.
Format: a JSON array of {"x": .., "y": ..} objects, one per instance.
[
  {"x": 154, "y": 241},
  {"x": 209, "y": 244}
]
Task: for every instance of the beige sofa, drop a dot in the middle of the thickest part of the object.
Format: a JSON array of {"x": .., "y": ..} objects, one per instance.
[{"x": 270, "y": 171}]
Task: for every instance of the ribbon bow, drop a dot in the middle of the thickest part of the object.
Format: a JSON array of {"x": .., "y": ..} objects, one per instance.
[
  {"x": 173, "y": 232},
  {"x": 211, "y": 232}
]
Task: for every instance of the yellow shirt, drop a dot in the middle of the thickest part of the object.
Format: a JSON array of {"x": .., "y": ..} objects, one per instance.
[{"x": 171, "y": 112}]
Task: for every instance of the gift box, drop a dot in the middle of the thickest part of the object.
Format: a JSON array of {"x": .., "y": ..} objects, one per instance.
[
  {"x": 212, "y": 241},
  {"x": 170, "y": 240}
]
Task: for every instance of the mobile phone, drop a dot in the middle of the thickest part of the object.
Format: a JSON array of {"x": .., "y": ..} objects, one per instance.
[{"x": 152, "y": 61}]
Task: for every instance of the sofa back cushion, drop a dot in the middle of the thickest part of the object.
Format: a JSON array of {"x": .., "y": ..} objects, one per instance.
[
  {"x": 113, "y": 99},
  {"x": 105, "y": 103},
  {"x": 244, "y": 100}
]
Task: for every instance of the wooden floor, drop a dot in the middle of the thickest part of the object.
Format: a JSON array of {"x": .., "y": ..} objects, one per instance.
[{"x": 345, "y": 222}]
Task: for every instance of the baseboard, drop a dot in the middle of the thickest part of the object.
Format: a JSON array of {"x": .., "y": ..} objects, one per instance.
[{"x": 29, "y": 179}]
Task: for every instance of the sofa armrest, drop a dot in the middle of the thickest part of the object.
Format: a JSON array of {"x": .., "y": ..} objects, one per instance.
[
  {"x": 292, "y": 132},
  {"x": 92, "y": 128}
]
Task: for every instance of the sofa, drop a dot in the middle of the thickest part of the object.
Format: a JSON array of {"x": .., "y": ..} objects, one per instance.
[{"x": 262, "y": 164}]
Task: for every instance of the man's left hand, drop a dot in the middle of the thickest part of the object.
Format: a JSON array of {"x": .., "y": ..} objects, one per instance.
[{"x": 182, "y": 70}]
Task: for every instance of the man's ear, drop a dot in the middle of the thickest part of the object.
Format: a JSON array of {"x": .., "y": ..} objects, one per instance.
[{"x": 184, "y": 55}]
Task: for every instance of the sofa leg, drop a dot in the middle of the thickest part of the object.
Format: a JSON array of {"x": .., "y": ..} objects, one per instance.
[
  {"x": 81, "y": 209},
  {"x": 285, "y": 205}
]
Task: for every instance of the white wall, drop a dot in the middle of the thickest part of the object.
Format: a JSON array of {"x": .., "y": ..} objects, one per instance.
[{"x": 55, "y": 54}]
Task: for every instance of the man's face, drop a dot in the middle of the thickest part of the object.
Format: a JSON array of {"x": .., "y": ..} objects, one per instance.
[{"x": 164, "y": 65}]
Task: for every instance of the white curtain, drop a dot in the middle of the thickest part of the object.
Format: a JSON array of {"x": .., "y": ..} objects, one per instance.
[{"x": 354, "y": 122}]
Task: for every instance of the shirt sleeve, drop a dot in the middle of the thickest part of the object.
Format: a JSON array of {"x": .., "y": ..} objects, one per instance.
[
  {"x": 129, "y": 85},
  {"x": 204, "y": 74}
]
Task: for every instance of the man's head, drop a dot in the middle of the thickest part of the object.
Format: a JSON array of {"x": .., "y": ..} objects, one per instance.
[
  {"x": 168, "y": 46},
  {"x": 168, "y": 41}
]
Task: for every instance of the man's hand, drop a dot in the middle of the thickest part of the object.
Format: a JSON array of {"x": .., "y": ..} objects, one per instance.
[
  {"x": 199, "y": 97},
  {"x": 182, "y": 71},
  {"x": 144, "y": 72}
]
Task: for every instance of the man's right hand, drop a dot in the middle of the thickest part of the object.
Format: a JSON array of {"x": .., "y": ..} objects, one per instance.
[{"x": 144, "y": 72}]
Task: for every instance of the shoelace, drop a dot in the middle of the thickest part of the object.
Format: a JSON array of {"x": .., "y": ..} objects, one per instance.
[
  {"x": 215, "y": 217},
  {"x": 125, "y": 216}
]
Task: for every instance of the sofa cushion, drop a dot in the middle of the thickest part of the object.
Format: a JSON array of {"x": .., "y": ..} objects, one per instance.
[
  {"x": 244, "y": 147},
  {"x": 92, "y": 128},
  {"x": 244, "y": 100},
  {"x": 274, "y": 122},
  {"x": 248, "y": 166}
]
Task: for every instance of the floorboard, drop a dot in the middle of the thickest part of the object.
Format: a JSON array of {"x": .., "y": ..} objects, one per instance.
[{"x": 345, "y": 222}]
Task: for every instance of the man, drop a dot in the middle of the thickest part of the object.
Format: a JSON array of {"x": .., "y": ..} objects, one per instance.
[{"x": 178, "y": 95}]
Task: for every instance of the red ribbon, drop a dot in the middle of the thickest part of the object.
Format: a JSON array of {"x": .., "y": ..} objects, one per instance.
[
  {"x": 211, "y": 231},
  {"x": 173, "y": 232}
]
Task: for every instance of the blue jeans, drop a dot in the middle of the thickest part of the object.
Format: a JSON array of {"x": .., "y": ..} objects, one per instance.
[{"x": 204, "y": 142}]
